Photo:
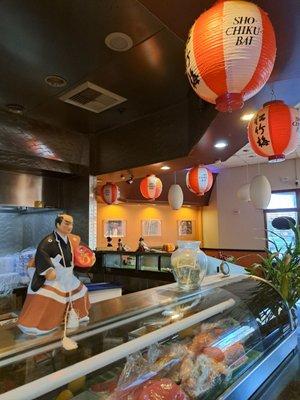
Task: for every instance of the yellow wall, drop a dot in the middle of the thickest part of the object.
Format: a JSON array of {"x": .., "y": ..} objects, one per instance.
[{"x": 133, "y": 214}]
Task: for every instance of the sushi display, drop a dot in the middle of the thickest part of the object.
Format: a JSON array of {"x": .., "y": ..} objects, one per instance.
[{"x": 188, "y": 367}]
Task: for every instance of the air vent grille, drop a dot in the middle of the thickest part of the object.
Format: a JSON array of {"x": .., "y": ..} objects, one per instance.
[{"x": 92, "y": 97}]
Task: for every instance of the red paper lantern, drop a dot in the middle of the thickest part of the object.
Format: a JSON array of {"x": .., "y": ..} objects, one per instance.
[
  {"x": 273, "y": 131},
  {"x": 199, "y": 180},
  {"x": 83, "y": 256},
  {"x": 151, "y": 187},
  {"x": 109, "y": 193},
  {"x": 230, "y": 53}
]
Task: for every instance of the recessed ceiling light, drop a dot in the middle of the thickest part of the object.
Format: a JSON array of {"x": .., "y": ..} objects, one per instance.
[
  {"x": 221, "y": 145},
  {"x": 55, "y": 81},
  {"x": 15, "y": 108},
  {"x": 165, "y": 167},
  {"x": 118, "y": 41},
  {"x": 247, "y": 117}
]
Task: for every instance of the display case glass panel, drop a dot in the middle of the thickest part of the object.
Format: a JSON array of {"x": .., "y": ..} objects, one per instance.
[
  {"x": 194, "y": 346},
  {"x": 165, "y": 263},
  {"x": 149, "y": 262}
]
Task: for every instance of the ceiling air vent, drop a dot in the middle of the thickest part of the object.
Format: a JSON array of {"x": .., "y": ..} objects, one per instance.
[{"x": 92, "y": 97}]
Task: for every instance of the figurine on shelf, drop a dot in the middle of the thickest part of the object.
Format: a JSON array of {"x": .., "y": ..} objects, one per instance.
[
  {"x": 109, "y": 240},
  {"x": 121, "y": 246},
  {"x": 142, "y": 245},
  {"x": 54, "y": 292}
]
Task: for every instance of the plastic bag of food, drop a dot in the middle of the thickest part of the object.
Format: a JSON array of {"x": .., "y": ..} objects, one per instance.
[{"x": 136, "y": 372}]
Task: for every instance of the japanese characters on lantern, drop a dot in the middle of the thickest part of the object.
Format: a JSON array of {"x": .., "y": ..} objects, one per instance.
[
  {"x": 273, "y": 131},
  {"x": 230, "y": 53},
  {"x": 151, "y": 187}
]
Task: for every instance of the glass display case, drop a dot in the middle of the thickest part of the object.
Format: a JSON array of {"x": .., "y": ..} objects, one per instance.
[
  {"x": 147, "y": 261},
  {"x": 222, "y": 341}
]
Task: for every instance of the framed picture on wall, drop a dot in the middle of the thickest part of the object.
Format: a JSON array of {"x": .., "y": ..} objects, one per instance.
[
  {"x": 114, "y": 228},
  {"x": 185, "y": 227},
  {"x": 151, "y": 227}
]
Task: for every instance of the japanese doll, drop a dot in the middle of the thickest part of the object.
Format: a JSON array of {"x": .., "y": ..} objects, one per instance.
[{"x": 54, "y": 287}]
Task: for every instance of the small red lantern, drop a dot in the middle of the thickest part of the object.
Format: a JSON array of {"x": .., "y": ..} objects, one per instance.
[
  {"x": 273, "y": 131},
  {"x": 108, "y": 192},
  {"x": 151, "y": 187},
  {"x": 230, "y": 53},
  {"x": 199, "y": 180}
]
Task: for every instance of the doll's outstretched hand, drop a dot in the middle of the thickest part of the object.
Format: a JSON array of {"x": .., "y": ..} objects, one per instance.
[{"x": 51, "y": 275}]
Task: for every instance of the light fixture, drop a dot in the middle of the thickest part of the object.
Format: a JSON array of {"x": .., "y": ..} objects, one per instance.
[
  {"x": 165, "y": 167},
  {"x": 118, "y": 41},
  {"x": 55, "y": 81},
  {"x": 247, "y": 117},
  {"x": 221, "y": 144},
  {"x": 130, "y": 180}
]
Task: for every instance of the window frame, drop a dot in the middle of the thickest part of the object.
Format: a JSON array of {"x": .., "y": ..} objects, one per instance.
[{"x": 274, "y": 210}]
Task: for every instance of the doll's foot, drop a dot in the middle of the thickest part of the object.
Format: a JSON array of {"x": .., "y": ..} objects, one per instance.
[{"x": 84, "y": 319}]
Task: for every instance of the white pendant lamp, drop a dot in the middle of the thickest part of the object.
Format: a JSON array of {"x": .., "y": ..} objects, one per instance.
[
  {"x": 243, "y": 193},
  {"x": 260, "y": 192},
  {"x": 175, "y": 197}
]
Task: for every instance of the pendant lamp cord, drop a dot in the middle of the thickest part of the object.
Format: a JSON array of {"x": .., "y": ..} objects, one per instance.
[
  {"x": 175, "y": 177},
  {"x": 273, "y": 96},
  {"x": 258, "y": 169}
]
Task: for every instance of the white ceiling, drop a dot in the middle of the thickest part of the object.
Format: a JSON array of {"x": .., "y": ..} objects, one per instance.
[{"x": 247, "y": 156}]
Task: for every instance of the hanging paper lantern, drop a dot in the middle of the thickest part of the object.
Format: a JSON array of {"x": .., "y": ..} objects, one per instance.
[
  {"x": 175, "y": 197},
  {"x": 199, "y": 180},
  {"x": 151, "y": 187},
  {"x": 243, "y": 193},
  {"x": 273, "y": 131},
  {"x": 109, "y": 193},
  {"x": 230, "y": 53},
  {"x": 260, "y": 192}
]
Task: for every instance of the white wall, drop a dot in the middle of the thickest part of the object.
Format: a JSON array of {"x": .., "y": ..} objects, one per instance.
[
  {"x": 210, "y": 223},
  {"x": 238, "y": 224}
]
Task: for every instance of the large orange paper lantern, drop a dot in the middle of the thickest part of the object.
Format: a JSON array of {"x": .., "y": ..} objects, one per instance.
[
  {"x": 109, "y": 193},
  {"x": 199, "y": 180},
  {"x": 230, "y": 53},
  {"x": 273, "y": 131},
  {"x": 151, "y": 187}
]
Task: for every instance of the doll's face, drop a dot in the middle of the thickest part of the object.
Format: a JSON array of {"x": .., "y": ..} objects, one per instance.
[{"x": 66, "y": 225}]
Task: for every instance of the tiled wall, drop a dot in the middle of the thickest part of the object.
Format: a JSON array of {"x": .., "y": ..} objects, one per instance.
[{"x": 19, "y": 231}]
